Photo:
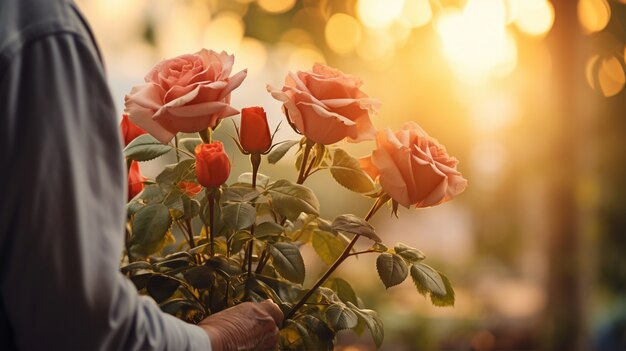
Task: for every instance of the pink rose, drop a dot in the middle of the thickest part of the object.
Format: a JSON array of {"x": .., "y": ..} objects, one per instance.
[
  {"x": 326, "y": 105},
  {"x": 188, "y": 93},
  {"x": 413, "y": 168}
]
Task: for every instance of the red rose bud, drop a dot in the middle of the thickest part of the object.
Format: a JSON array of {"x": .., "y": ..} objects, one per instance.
[
  {"x": 129, "y": 130},
  {"x": 190, "y": 189},
  {"x": 135, "y": 180},
  {"x": 212, "y": 164},
  {"x": 254, "y": 133}
]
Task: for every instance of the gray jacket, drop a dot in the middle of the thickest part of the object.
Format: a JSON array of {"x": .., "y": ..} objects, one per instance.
[{"x": 62, "y": 195}]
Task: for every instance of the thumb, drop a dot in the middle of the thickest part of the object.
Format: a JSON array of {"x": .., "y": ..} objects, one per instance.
[{"x": 273, "y": 310}]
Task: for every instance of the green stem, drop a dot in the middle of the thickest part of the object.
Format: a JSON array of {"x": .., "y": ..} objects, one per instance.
[
  {"x": 250, "y": 249},
  {"x": 345, "y": 254},
  {"x": 192, "y": 244},
  {"x": 305, "y": 160},
  {"x": 211, "y": 199},
  {"x": 176, "y": 147},
  {"x": 262, "y": 260},
  {"x": 255, "y": 160}
]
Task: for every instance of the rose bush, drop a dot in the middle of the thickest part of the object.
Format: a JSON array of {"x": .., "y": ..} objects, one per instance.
[
  {"x": 413, "y": 168},
  {"x": 327, "y": 106},
  {"x": 242, "y": 240},
  {"x": 188, "y": 93}
]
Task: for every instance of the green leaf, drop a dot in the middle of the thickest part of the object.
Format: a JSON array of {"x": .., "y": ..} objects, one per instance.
[
  {"x": 349, "y": 223},
  {"x": 238, "y": 240},
  {"x": 347, "y": 171},
  {"x": 151, "y": 223},
  {"x": 200, "y": 277},
  {"x": 266, "y": 230},
  {"x": 172, "y": 174},
  {"x": 392, "y": 269},
  {"x": 408, "y": 253},
  {"x": 261, "y": 179},
  {"x": 233, "y": 194},
  {"x": 141, "y": 280},
  {"x": 447, "y": 299},
  {"x": 372, "y": 321},
  {"x": 190, "y": 144},
  {"x": 135, "y": 266},
  {"x": 343, "y": 289},
  {"x": 288, "y": 261},
  {"x": 379, "y": 247},
  {"x": 340, "y": 317},
  {"x": 160, "y": 287},
  {"x": 427, "y": 280},
  {"x": 279, "y": 151},
  {"x": 291, "y": 199},
  {"x": 238, "y": 215},
  {"x": 327, "y": 245},
  {"x": 144, "y": 148},
  {"x": 151, "y": 194}
]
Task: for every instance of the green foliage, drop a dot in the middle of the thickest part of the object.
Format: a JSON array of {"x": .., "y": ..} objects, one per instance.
[
  {"x": 347, "y": 171},
  {"x": 288, "y": 261},
  {"x": 392, "y": 269},
  {"x": 280, "y": 151},
  {"x": 258, "y": 233},
  {"x": 144, "y": 148},
  {"x": 429, "y": 281},
  {"x": 328, "y": 245},
  {"x": 349, "y": 223},
  {"x": 290, "y": 199}
]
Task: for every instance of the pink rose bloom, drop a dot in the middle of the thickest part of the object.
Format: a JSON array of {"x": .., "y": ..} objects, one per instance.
[
  {"x": 413, "y": 168},
  {"x": 188, "y": 93},
  {"x": 327, "y": 106}
]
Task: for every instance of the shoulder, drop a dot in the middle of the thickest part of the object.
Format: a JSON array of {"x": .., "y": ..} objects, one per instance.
[{"x": 25, "y": 21}]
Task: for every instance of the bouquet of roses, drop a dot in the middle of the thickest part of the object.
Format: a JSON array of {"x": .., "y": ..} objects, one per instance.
[{"x": 241, "y": 241}]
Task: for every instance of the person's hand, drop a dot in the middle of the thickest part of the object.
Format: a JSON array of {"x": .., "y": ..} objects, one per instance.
[{"x": 247, "y": 326}]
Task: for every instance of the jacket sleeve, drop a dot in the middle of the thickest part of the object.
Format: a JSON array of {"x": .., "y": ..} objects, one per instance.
[{"x": 63, "y": 189}]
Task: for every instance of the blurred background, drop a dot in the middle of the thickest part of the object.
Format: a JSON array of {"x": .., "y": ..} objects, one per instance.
[{"x": 527, "y": 94}]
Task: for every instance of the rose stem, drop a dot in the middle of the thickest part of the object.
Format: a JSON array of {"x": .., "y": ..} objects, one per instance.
[
  {"x": 305, "y": 158},
  {"x": 176, "y": 145},
  {"x": 250, "y": 248},
  {"x": 191, "y": 243},
  {"x": 255, "y": 160},
  {"x": 211, "y": 198},
  {"x": 129, "y": 162},
  {"x": 345, "y": 254}
]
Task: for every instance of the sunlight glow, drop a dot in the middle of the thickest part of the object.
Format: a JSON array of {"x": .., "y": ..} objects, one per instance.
[
  {"x": 379, "y": 13},
  {"x": 224, "y": 32},
  {"x": 342, "y": 33},
  {"x": 535, "y": 16},
  {"x": 605, "y": 75},
  {"x": 417, "y": 12},
  {"x": 276, "y": 6},
  {"x": 593, "y": 15},
  {"x": 476, "y": 41}
]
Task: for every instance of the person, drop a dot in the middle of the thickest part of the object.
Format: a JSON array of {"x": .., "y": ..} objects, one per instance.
[{"x": 63, "y": 190}]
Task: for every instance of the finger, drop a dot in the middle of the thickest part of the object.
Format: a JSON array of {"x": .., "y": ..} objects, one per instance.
[{"x": 274, "y": 311}]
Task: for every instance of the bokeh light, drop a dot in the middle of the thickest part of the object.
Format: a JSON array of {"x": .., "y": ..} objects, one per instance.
[
  {"x": 276, "y": 6},
  {"x": 342, "y": 33},
  {"x": 476, "y": 41},
  {"x": 605, "y": 74},
  {"x": 417, "y": 12},
  {"x": 593, "y": 15},
  {"x": 251, "y": 54},
  {"x": 224, "y": 32},
  {"x": 535, "y": 17},
  {"x": 379, "y": 13}
]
